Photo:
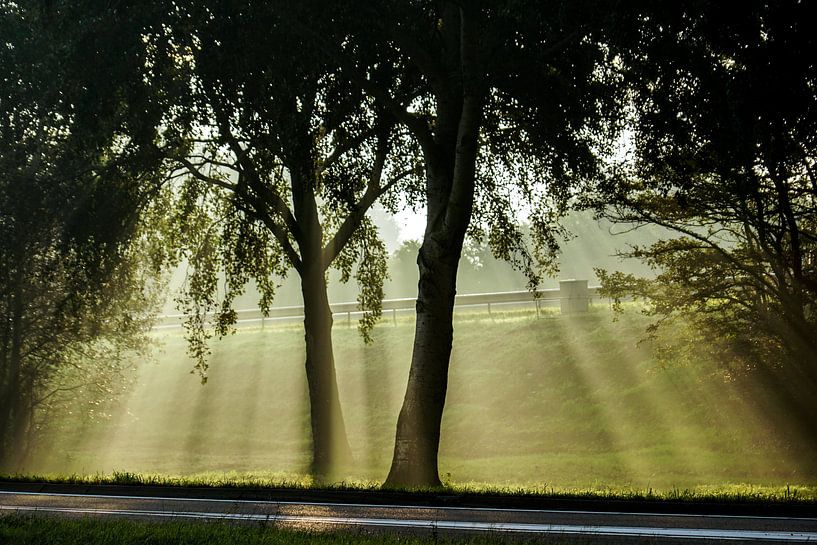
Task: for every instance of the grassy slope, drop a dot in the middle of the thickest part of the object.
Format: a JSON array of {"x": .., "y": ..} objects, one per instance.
[{"x": 550, "y": 402}]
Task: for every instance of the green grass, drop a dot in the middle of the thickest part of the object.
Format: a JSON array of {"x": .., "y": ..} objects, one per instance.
[
  {"x": 736, "y": 493},
  {"x": 48, "y": 531},
  {"x": 550, "y": 405}
]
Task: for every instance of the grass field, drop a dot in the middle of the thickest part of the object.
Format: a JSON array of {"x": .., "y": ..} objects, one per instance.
[
  {"x": 553, "y": 403},
  {"x": 39, "y": 531}
]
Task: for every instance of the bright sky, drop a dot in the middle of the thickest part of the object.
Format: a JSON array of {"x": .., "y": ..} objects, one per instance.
[{"x": 411, "y": 224}]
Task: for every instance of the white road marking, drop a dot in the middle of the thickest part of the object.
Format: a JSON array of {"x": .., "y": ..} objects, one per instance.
[
  {"x": 563, "y": 529},
  {"x": 408, "y": 507}
]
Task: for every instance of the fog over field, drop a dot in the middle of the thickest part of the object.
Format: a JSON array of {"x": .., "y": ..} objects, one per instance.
[
  {"x": 553, "y": 400},
  {"x": 591, "y": 244}
]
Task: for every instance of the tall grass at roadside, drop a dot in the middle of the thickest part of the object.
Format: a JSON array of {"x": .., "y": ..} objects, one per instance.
[{"x": 741, "y": 493}]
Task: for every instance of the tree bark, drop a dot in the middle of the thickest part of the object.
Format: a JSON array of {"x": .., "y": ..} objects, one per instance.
[
  {"x": 13, "y": 396},
  {"x": 417, "y": 439},
  {"x": 450, "y": 155},
  {"x": 330, "y": 447}
]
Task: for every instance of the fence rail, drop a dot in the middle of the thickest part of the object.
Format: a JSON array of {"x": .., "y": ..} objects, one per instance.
[{"x": 571, "y": 296}]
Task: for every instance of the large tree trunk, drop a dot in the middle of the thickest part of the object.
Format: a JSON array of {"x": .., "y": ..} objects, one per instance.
[
  {"x": 330, "y": 447},
  {"x": 450, "y": 155},
  {"x": 418, "y": 427}
]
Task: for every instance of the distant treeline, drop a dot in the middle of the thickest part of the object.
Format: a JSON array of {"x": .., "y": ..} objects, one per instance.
[{"x": 592, "y": 244}]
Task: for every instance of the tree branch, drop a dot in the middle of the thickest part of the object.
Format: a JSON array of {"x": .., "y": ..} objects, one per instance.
[
  {"x": 701, "y": 238},
  {"x": 374, "y": 190},
  {"x": 345, "y": 146},
  {"x": 279, "y": 232},
  {"x": 460, "y": 202},
  {"x": 418, "y": 125},
  {"x": 276, "y": 202},
  {"x": 196, "y": 173}
]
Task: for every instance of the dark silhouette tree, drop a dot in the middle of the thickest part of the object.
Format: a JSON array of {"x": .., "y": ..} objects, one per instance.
[
  {"x": 273, "y": 160},
  {"x": 725, "y": 137},
  {"x": 77, "y": 287},
  {"x": 508, "y": 101},
  {"x": 270, "y": 159}
]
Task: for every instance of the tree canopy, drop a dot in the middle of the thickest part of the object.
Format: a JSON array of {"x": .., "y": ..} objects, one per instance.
[
  {"x": 77, "y": 285},
  {"x": 270, "y": 160},
  {"x": 725, "y": 118},
  {"x": 510, "y": 103}
]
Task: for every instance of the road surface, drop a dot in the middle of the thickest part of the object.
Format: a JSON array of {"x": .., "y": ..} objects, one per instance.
[{"x": 552, "y": 525}]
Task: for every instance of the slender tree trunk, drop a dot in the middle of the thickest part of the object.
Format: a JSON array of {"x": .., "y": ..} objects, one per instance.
[
  {"x": 330, "y": 446},
  {"x": 802, "y": 346},
  {"x": 6, "y": 401},
  {"x": 790, "y": 393},
  {"x": 13, "y": 396},
  {"x": 19, "y": 428},
  {"x": 5, "y": 379}
]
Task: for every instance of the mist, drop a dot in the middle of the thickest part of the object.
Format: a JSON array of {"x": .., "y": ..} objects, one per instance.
[{"x": 535, "y": 399}]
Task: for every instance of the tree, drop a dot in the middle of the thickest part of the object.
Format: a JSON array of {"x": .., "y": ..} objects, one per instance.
[
  {"x": 499, "y": 96},
  {"x": 725, "y": 107},
  {"x": 278, "y": 159},
  {"x": 271, "y": 159},
  {"x": 74, "y": 300}
]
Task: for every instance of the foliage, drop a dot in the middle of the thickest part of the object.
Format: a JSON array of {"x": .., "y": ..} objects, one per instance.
[
  {"x": 274, "y": 156},
  {"x": 725, "y": 117},
  {"x": 549, "y": 101},
  {"x": 77, "y": 287}
]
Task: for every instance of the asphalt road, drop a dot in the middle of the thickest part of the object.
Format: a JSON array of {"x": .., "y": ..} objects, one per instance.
[{"x": 552, "y": 525}]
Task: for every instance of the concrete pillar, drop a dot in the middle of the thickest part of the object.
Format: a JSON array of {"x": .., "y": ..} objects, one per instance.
[{"x": 574, "y": 297}]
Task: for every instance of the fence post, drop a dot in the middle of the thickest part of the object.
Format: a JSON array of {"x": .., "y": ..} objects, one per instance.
[{"x": 574, "y": 297}]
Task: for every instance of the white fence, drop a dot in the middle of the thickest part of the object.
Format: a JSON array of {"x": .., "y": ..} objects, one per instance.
[{"x": 571, "y": 296}]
